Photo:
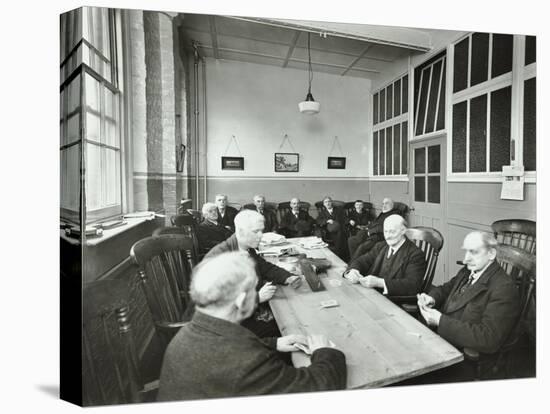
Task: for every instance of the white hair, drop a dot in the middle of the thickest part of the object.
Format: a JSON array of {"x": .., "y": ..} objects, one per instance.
[
  {"x": 246, "y": 218},
  {"x": 217, "y": 282},
  {"x": 208, "y": 207}
]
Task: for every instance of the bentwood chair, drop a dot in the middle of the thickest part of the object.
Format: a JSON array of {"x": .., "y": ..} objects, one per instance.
[
  {"x": 520, "y": 265},
  {"x": 188, "y": 225},
  {"x": 284, "y": 208},
  {"x": 516, "y": 232},
  {"x": 402, "y": 209},
  {"x": 269, "y": 205},
  {"x": 430, "y": 241},
  {"x": 165, "y": 263},
  {"x": 110, "y": 373},
  {"x": 349, "y": 207}
]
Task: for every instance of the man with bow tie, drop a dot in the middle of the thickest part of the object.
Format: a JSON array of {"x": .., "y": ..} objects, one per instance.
[
  {"x": 479, "y": 306},
  {"x": 396, "y": 266}
]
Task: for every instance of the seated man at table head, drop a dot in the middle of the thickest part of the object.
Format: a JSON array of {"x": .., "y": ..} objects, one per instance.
[
  {"x": 209, "y": 233},
  {"x": 478, "y": 307},
  {"x": 249, "y": 226},
  {"x": 271, "y": 224},
  {"x": 365, "y": 239},
  {"x": 332, "y": 220},
  {"x": 213, "y": 356},
  {"x": 396, "y": 266},
  {"x": 358, "y": 217},
  {"x": 296, "y": 223},
  {"x": 226, "y": 214}
]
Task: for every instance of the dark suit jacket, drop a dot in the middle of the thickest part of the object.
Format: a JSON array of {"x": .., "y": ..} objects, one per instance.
[
  {"x": 229, "y": 218},
  {"x": 337, "y": 215},
  {"x": 377, "y": 225},
  {"x": 210, "y": 234},
  {"x": 484, "y": 314},
  {"x": 266, "y": 272},
  {"x": 408, "y": 276},
  {"x": 296, "y": 227},
  {"x": 271, "y": 223},
  {"x": 214, "y": 358},
  {"x": 360, "y": 219}
]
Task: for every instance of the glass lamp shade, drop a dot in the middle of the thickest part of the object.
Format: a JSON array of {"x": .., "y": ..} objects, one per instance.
[{"x": 309, "y": 106}]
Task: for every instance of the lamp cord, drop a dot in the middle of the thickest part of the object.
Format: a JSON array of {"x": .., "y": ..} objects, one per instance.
[{"x": 310, "y": 70}]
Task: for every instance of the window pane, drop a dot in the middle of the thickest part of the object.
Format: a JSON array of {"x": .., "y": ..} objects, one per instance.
[
  {"x": 419, "y": 189},
  {"x": 375, "y": 153},
  {"x": 434, "y": 93},
  {"x": 405, "y": 94},
  {"x": 501, "y": 110},
  {"x": 441, "y": 110},
  {"x": 460, "y": 70},
  {"x": 112, "y": 177},
  {"x": 404, "y": 147},
  {"x": 434, "y": 189},
  {"x": 459, "y": 137},
  {"x": 73, "y": 95},
  {"x": 382, "y": 144},
  {"x": 93, "y": 177},
  {"x": 389, "y": 151},
  {"x": 389, "y": 102},
  {"x": 92, "y": 93},
  {"x": 397, "y": 97},
  {"x": 478, "y": 134},
  {"x": 382, "y": 115},
  {"x": 375, "y": 109},
  {"x": 93, "y": 127},
  {"x": 530, "y": 125},
  {"x": 434, "y": 159},
  {"x": 502, "y": 54},
  {"x": 419, "y": 128},
  {"x": 480, "y": 58},
  {"x": 73, "y": 129},
  {"x": 419, "y": 160},
  {"x": 111, "y": 134},
  {"x": 396, "y": 149},
  {"x": 70, "y": 178},
  {"x": 530, "y": 49}
]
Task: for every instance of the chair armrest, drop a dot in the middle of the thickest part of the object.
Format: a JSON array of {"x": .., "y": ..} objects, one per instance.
[
  {"x": 170, "y": 327},
  {"x": 403, "y": 299},
  {"x": 410, "y": 308},
  {"x": 471, "y": 355}
]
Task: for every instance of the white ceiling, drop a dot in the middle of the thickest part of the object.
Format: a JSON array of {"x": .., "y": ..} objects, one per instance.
[{"x": 363, "y": 51}]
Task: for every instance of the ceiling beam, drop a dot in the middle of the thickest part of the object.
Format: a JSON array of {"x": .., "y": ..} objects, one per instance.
[
  {"x": 357, "y": 59},
  {"x": 214, "y": 35},
  {"x": 291, "y": 48}
]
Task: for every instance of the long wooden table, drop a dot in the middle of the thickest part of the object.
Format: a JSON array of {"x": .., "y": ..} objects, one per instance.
[{"x": 383, "y": 344}]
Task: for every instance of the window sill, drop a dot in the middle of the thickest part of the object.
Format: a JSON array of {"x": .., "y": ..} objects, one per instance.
[
  {"x": 530, "y": 177},
  {"x": 401, "y": 178}
]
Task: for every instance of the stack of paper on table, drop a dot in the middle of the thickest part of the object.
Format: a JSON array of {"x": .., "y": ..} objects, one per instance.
[
  {"x": 275, "y": 250},
  {"x": 312, "y": 243},
  {"x": 270, "y": 239}
]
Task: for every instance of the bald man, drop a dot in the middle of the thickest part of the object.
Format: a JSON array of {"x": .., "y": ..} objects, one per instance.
[
  {"x": 296, "y": 223},
  {"x": 213, "y": 356},
  {"x": 365, "y": 240},
  {"x": 396, "y": 266},
  {"x": 270, "y": 224}
]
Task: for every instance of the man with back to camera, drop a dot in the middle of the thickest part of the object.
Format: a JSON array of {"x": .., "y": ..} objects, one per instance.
[
  {"x": 396, "y": 266},
  {"x": 365, "y": 240},
  {"x": 297, "y": 222},
  {"x": 226, "y": 214},
  {"x": 249, "y": 227},
  {"x": 213, "y": 356}
]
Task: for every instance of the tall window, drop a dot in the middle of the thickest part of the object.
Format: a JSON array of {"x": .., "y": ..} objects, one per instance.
[
  {"x": 90, "y": 108},
  {"x": 390, "y": 126},
  {"x": 486, "y": 100}
]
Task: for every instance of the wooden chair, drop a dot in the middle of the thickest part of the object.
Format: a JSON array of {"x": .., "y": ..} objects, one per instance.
[
  {"x": 430, "y": 241},
  {"x": 335, "y": 203},
  {"x": 269, "y": 205},
  {"x": 197, "y": 215},
  {"x": 520, "y": 265},
  {"x": 402, "y": 208},
  {"x": 188, "y": 225},
  {"x": 110, "y": 373},
  {"x": 516, "y": 232},
  {"x": 284, "y": 208},
  {"x": 165, "y": 263},
  {"x": 236, "y": 206},
  {"x": 349, "y": 207}
]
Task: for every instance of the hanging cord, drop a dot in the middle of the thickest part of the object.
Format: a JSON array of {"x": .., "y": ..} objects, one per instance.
[
  {"x": 310, "y": 69},
  {"x": 336, "y": 141},
  {"x": 286, "y": 138},
  {"x": 232, "y": 139}
]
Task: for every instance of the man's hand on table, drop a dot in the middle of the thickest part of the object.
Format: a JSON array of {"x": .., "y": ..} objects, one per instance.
[
  {"x": 371, "y": 281},
  {"x": 353, "y": 276},
  {"x": 426, "y": 300},
  {"x": 294, "y": 281},
  {"x": 266, "y": 292},
  {"x": 431, "y": 315},
  {"x": 286, "y": 343}
]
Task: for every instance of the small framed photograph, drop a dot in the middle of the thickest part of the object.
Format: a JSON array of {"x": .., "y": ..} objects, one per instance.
[
  {"x": 336, "y": 163},
  {"x": 287, "y": 162},
  {"x": 232, "y": 163}
]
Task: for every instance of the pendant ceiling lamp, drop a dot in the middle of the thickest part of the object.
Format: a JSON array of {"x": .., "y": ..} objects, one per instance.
[{"x": 309, "y": 106}]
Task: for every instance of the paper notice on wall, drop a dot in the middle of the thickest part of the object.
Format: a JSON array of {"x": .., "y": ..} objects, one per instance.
[{"x": 513, "y": 180}]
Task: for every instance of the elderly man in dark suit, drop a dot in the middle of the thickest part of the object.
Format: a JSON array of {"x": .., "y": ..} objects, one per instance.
[
  {"x": 332, "y": 220},
  {"x": 209, "y": 233},
  {"x": 365, "y": 240},
  {"x": 249, "y": 227},
  {"x": 271, "y": 224},
  {"x": 358, "y": 218},
  {"x": 296, "y": 223},
  {"x": 226, "y": 214},
  {"x": 214, "y": 357},
  {"x": 396, "y": 267}
]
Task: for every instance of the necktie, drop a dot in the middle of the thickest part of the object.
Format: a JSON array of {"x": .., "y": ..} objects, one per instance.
[
  {"x": 468, "y": 283},
  {"x": 261, "y": 211},
  {"x": 390, "y": 252}
]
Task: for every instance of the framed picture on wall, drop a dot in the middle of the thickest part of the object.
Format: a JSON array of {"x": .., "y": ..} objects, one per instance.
[
  {"x": 232, "y": 163},
  {"x": 336, "y": 163},
  {"x": 287, "y": 162}
]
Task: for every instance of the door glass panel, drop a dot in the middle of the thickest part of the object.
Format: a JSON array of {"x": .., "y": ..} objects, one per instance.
[
  {"x": 478, "y": 134},
  {"x": 388, "y": 151},
  {"x": 396, "y": 148},
  {"x": 419, "y": 188},
  {"x": 419, "y": 160},
  {"x": 434, "y": 159},
  {"x": 375, "y": 153},
  {"x": 434, "y": 189}
]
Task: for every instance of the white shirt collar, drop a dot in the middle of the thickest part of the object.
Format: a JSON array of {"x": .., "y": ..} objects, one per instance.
[
  {"x": 477, "y": 275},
  {"x": 393, "y": 250}
]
